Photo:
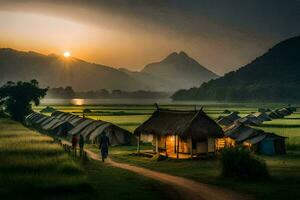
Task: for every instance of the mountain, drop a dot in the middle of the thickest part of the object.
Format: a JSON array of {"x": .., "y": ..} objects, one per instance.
[
  {"x": 57, "y": 71},
  {"x": 179, "y": 71},
  {"x": 274, "y": 76}
]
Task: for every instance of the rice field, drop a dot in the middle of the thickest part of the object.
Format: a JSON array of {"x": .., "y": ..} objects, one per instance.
[
  {"x": 33, "y": 167},
  {"x": 130, "y": 116}
]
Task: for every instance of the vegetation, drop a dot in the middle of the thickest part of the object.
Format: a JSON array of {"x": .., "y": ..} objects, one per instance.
[
  {"x": 238, "y": 162},
  {"x": 283, "y": 183},
  {"x": 18, "y": 97},
  {"x": 263, "y": 79},
  {"x": 284, "y": 169},
  {"x": 33, "y": 167}
]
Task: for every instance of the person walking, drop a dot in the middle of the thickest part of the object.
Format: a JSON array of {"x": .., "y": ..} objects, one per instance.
[
  {"x": 103, "y": 146},
  {"x": 81, "y": 145},
  {"x": 74, "y": 143}
]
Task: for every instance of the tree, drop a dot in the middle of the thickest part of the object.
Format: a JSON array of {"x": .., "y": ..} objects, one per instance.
[{"x": 17, "y": 98}]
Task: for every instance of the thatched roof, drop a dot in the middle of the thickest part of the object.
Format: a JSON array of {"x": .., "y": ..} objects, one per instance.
[
  {"x": 184, "y": 123},
  {"x": 274, "y": 115},
  {"x": 240, "y": 132},
  {"x": 260, "y": 137},
  {"x": 225, "y": 121},
  {"x": 262, "y": 116}
]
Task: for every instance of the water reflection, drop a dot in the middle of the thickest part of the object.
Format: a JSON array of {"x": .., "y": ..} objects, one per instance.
[{"x": 77, "y": 102}]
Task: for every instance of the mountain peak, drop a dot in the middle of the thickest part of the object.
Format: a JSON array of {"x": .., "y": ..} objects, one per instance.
[
  {"x": 183, "y": 54},
  {"x": 278, "y": 68},
  {"x": 176, "y": 55}
]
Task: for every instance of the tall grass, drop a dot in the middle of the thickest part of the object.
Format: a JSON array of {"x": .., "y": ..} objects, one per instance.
[{"x": 32, "y": 166}]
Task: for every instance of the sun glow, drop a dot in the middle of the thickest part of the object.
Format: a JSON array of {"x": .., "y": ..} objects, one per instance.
[{"x": 67, "y": 54}]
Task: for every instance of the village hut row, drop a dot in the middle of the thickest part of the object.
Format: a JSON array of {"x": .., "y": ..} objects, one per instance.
[
  {"x": 178, "y": 133},
  {"x": 46, "y": 124},
  {"x": 66, "y": 124},
  {"x": 237, "y": 131},
  {"x": 254, "y": 119}
]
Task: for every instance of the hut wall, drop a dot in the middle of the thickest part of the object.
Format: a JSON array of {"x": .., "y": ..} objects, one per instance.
[
  {"x": 280, "y": 146},
  {"x": 170, "y": 142},
  {"x": 184, "y": 146},
  {"x": 147, "y": 138},
  {"x": 201, "y": 147},
  {"x": 220, "y": 143},
  {"x": 211, "y": 145},
  {"x": 229, "y": 142},
  {"x": 267, "y": 147}
]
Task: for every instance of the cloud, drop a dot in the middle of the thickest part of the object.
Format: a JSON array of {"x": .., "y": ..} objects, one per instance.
[{"x": 219, "y": 34}]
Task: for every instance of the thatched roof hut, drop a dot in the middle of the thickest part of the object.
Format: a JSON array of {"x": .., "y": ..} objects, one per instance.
[
  {"x": 184, "y": 123},
  {"x": 262, "y": 116},
  {"x": 224, "y": 121},
  {"x": 181, "y": 132}
]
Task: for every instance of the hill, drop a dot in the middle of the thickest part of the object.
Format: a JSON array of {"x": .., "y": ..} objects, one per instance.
[
  {"x": 177, "y": 71},
  {"x": 274, "y": 76}
]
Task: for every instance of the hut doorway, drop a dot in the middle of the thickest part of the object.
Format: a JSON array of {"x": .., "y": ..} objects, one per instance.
[{"x": 170, "y": 144}]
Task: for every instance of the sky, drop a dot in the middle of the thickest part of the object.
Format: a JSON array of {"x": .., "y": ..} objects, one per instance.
[{"x": 220, "y": 35}]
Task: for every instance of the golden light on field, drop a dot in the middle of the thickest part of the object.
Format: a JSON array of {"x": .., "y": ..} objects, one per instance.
[
  {"x": 67, "y": 54},
  {"x": 77, "y": 102}
]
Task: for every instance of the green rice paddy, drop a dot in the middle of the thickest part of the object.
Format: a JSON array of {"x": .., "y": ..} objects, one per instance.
[{"x": 131, "y": 116}]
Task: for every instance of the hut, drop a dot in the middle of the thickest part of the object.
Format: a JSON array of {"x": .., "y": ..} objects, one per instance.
[
  {"x": 224, "y": 121},
  {"x": 233, "y": 116},
  {"x": 226, "y": 111},
  {"x": 116, "y": 135},
  {"x": 262, "y": 116},
  {"x": 257, "y": 140},
  {"x": 91, "y": 129},
  {"x": 267, "y": 144},
  {"x": 248, "y": 121},
  {"x": 264, "y": 110},
  {"x": 274, "y": 115},
  {"x": 188, "y": 133},
  {"x": 57, "y": 127},
  {"x": 49, "y": 125},
  {"x": 283, "y": 112},
  {"x": 237, "y": 133},
  {"x": 48, "y": 109}
]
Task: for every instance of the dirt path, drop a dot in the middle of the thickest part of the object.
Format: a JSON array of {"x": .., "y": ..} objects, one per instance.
[{"x": 189, "y": 190}]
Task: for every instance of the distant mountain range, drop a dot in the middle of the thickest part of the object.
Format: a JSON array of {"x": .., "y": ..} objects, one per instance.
[
  {"x": 175, "y": 72},
  {"x": 274, "y": 76}
]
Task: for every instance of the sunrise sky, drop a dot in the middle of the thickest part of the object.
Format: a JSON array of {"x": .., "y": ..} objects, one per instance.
[{"x": 131, "y": 33}]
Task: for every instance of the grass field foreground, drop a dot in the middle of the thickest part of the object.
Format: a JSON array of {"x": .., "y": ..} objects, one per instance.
[
  {"x": 33, "y": 167},
  {"x": 283, "y": 184}
]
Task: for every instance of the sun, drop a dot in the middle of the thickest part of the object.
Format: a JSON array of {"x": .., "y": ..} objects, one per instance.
[{"x": 67, "y": 54}]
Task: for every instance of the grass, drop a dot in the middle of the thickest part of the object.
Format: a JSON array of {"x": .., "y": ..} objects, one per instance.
[
  {"x": 33, "y": 167},
  {"x": 284, "y": 170}
]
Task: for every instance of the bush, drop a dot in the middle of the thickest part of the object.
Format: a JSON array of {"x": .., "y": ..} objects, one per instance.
[{"x": 238, "y": 162}]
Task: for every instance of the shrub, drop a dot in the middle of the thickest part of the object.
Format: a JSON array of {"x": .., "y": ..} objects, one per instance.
[{"x": 238, "y": 162}]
